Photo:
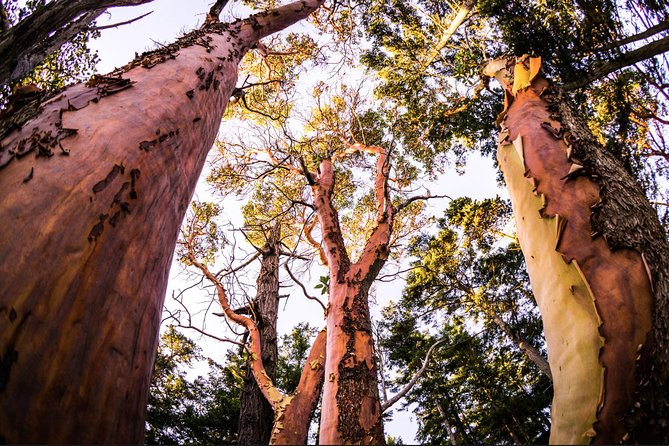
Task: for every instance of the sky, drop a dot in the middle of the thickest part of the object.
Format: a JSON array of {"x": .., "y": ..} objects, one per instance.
[{"x": 169, "y": 19}]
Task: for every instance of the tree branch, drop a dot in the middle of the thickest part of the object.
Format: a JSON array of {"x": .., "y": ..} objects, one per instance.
[
  {"x": 25, "y": 45},
  {"x": 376, "y": 248},
  {"x": 662, "y": 26},
  {"x": 308, "y": 228},
  {"x": 410, "y": 200},
  {"x": 215, "y": 11},
  {"x": 624, "y": 60},
  {"x": 116, "y": 25},
  {"x": 304, "y": 290},
  {"x": 328, "y": 218},
  {"x": 406, "y": 389},
  {"x": 273, "y": 395}
]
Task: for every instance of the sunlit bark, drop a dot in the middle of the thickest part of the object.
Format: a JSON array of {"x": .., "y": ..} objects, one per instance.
[
  {"x": 91, "y": 222},
  {"x": 597, "y": 260},
  {"x": 351, "y": 411}
]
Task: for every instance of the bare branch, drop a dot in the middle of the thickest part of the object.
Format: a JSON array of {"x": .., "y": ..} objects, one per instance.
[
  {"x": 308, "y": 228},
  {"x": 662, "y": 26},
  {"x": 116, "y": 25},
  {"x": 304, "y": 290},
  {"x": 624, "y": 60},
  {"x": 410, "y": 200},
  {"x": 215, "y": 10},
  {"x": 406, "y": 389},
  {"x": 387, "y": 404}
]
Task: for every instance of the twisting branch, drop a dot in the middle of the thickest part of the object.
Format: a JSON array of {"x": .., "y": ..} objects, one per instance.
[
  {"x": 406, "y": 389},
  {"x": 387, "y": 404},
  {"x": 308, "y": 228},
  {"x": 304, "y": 290},
  {"x": 328, "y": 218}
]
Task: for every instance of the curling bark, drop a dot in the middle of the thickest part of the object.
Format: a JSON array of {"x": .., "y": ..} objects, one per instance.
[
  {"x": 598, "y": 264},
  {"x": 93, "y": 230}
]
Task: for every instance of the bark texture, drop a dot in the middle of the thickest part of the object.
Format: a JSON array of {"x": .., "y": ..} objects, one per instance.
[
  {"x": 256, "y": 414},
  {"x": 26, "y": 45},
  {"x": 614, "y": 256},
  {"x": 351, "y": 411},
  {"x": 96, "y": 187}
]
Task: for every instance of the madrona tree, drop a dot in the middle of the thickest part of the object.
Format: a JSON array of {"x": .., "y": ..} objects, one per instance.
[
  {"x": 101, "y": 175},
  {"x": 597, "y": 259}
]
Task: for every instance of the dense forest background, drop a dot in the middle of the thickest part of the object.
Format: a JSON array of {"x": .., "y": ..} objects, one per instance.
[{"x": 457, "y": 333}]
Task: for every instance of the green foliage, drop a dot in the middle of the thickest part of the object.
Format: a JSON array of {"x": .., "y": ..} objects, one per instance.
[
  {"x": 201, "y": 237},
  {"x": 294, "y": 349},
  {"x": 202, "y": 411},
  {"x": 323, "y": 284},
  {"x": 478, "y": 380},
  {"x": 205, "y": 410},
  {"x": 73, "y": 62}
]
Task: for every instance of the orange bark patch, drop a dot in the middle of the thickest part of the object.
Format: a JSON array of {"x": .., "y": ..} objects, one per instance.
[{"x": 618, "y": 279}]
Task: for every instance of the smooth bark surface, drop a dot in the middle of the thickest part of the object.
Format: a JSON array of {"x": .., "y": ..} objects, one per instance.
[
  {"x": 611, "y": 244},
  {"x": 96, "y": 187}
]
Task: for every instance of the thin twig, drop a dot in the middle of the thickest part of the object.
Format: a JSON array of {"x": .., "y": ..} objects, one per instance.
[
  {"x": 304, "y": 290},
  {"x": 116, "y": 25}
]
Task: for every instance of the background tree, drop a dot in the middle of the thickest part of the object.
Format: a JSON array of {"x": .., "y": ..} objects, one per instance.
[
  {"x": 468, "y": 289},
  {"x": 52, "y": 34}
]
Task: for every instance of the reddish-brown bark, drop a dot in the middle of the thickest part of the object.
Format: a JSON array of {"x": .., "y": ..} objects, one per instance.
[
  {"x": 607, "y": 230},
  {"x": 351, "y": 411},
  {"x": 89, "y": 237}
]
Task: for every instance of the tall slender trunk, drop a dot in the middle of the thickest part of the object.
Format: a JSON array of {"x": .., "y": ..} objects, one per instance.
[
  {"x": 255, "y": 413},
  {"x": 89, "y": 237},
  {"x": 351, "y": 410},
  {"x": 449, "y": 429},
  {"x": 598, "y": 262}
]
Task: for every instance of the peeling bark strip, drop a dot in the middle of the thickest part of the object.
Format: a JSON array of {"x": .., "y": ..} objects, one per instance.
[
  {"x": 86, "y": 352},
  {"x": 560, "y": 213},
  {"x": 351, "y": 412}
]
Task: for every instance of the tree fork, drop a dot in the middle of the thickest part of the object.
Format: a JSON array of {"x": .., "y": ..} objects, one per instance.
[
  {"x": 597, "y": 259},
  {"x": 95, "y": 217},
  {"x": 351, "y": 412}
]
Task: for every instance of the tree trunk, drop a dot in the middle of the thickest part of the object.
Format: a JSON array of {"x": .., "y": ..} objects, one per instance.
[
  {"x": 92, "y": 234},
  {"x": 29, "y": 42},
  {"x": 256, "y": 414},
  {"x": 597, "y": 259},
  {"x": 527, "y": 348},
  {"x": 351, "y": 410}
]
